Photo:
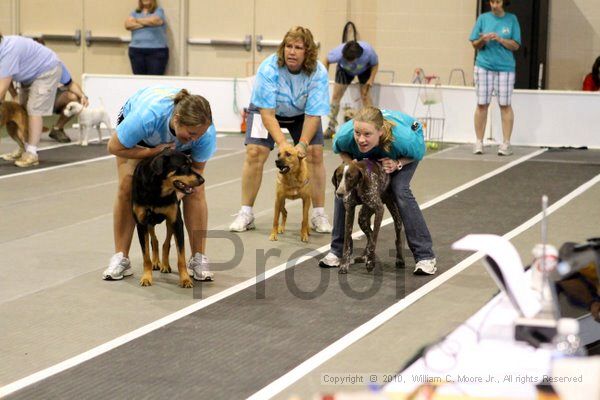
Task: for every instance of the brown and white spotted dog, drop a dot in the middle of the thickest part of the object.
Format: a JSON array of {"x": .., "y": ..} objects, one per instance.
[
  {"x": 14, "y": 117},
  {"x": 366, "y": 183},
  {"x": 159, "y": 184}
]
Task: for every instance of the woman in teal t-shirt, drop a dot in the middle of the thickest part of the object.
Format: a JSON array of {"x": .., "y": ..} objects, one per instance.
[
  {"x": 495, "y": 36},
  {"x": 396, "y": 141}
]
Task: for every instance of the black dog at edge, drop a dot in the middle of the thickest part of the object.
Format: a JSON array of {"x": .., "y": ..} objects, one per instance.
[{"x": 159, "y": 184}]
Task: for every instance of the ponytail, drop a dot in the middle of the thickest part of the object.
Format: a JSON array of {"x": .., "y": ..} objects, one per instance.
[
  {"x": 193, "y": 110},
  {"x": 385, "y": 142}
]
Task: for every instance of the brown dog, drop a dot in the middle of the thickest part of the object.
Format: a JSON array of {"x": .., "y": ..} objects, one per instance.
[
  {"x": 366, "y": 183},
  {"x": 293, "y": 182},
  {"x": 14, "y": 117}
]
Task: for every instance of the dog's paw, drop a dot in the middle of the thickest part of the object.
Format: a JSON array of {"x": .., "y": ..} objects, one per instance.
[
  {"x": 400, "y": 263},
  {"x": 281, "y": 229},
  {"x": 304, "y": 236},
  {"x": 155, "y": 266},
  {"x": 165, "y": 269},
  {"x": 370, "y": 264},
  {"x": 358, "y": 260},
  {"x": 273, "y": 237},
  {"x": 145, "y": 281},
  {"x": 186, "y": 283},
  {"x": 343, "y": 269}
]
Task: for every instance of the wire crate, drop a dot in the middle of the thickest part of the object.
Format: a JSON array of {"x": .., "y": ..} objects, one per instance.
[
  {"x": 429, "y": 110},
  {"x": 433, "y": 131}
]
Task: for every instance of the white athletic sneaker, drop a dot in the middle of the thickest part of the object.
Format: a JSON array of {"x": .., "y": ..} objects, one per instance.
[
  {"x": 243, "y": 221},
  {"x": 13, "y": 155},
  {"x": 505, "y": 149},
  {"x": 329, "y": 261},
  {"x": 118, "y": 268},
  {"x": 27, "y": 160},
  {"x": 198, "y": 268},
  {"x": 320, "y": 223},
  {"x": 425, "y": 267},
  {"x": 478, "y": 147}
]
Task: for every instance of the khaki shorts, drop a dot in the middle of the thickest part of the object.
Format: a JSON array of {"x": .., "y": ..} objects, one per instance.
[{"x": 41, "y": 93}]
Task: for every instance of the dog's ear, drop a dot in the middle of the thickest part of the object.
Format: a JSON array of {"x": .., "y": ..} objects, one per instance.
[
  {"x": 157, "y": 164},
  {"x": 361, "y": 176},
  {"x": 361, "y": 173},
  {"x": 334, "y": 178}
]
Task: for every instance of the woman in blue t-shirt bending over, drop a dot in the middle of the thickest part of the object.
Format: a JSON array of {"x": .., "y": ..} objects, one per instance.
[{"x": 152, "y": 119}]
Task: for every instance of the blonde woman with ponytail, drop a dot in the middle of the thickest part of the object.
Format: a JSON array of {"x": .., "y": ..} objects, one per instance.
[
  {"x": 396, "y": 141},
  {"x": 151, "y": 120}
]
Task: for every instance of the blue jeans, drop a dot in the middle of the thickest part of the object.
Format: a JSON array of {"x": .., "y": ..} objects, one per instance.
[{"x": 417, "y": 233}]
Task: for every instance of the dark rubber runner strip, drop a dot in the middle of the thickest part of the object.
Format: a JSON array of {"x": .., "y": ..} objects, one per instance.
[{"x": 58, "y": 156}]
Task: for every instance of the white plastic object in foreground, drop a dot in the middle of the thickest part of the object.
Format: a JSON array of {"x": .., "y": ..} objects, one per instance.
[{"x": 516, "y": 284}]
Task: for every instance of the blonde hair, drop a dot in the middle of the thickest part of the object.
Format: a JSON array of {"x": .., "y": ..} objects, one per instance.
[
  {"x": 153, "y": 6},
  {"x": 372, "y": 115},
  {"x": 311, "y": 51},
  {"x": 193, "y": 110}
]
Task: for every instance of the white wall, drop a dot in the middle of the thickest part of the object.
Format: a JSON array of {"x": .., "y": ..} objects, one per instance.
[
  {"x": 112, "y": 91},
  {"x": 542, "y": 118}
]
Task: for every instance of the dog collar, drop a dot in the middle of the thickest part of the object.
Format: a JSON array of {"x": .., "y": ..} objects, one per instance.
[
  {"x": 303, "y": 184},
  {"x": 369, "y": 165}
]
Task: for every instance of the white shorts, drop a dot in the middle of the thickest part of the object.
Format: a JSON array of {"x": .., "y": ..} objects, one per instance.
[
  {"x": 39, "y": 96},
  {"x": 487, "y": 82}
]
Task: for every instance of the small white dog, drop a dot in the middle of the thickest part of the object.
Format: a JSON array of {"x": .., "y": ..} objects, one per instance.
[{"x": 88, "y": 118}]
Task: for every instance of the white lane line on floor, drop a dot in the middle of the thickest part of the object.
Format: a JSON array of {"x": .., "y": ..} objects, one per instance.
[
  {"x": 91, "y": 160},
  {"x": 329, "y": 352},
  {"x": 285, "y": 380},
  {"x": 36, "y": 171}
]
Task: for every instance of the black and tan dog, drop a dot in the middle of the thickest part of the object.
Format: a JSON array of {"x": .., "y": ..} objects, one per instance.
[
  {"x": 14, "y": 117},
  {"x": 293, "y": 182},
  {"x": 366, "y": 183},
  {"x": 159, "y": 184}
]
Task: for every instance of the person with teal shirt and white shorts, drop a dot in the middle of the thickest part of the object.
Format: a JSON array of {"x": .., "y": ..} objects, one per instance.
[
  {"x": 291, "y": 91},
  {"x": 496, "y": 36},
  {"x": 396, "y": 141},
  {"x": 153, "y": 119}
]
